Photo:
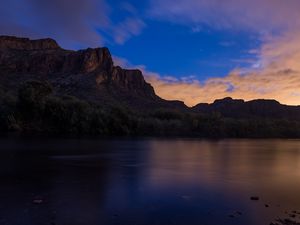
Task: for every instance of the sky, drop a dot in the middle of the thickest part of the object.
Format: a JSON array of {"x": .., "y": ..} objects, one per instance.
[{"x": 190, "y": 50}]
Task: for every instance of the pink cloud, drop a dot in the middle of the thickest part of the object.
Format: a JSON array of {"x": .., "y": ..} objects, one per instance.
[{"x": 126, "y": 29}]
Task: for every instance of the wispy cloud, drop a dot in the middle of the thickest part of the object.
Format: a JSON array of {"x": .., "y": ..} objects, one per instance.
[
  {"x": 257, "y": 15},
  {"x": 126, "y": 29}
]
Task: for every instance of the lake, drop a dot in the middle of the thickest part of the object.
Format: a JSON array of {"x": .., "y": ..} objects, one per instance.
[{"x": 148, "y": 181}]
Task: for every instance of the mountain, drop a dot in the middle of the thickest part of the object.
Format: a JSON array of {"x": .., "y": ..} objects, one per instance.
[
  {"x": 87, "y": 74},
  {"x": 45, "y": 89},
  {"x": 232, "y": 108}
]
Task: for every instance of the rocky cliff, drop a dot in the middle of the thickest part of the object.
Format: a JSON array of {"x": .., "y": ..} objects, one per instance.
[{"x": 89, "y": 74}]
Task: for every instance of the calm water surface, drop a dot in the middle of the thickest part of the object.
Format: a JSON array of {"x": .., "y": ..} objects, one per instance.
[{"x": 147, "y": 182}]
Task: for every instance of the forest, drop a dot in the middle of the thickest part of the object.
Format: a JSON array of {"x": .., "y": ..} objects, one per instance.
[{"x": 35, "y": 109}]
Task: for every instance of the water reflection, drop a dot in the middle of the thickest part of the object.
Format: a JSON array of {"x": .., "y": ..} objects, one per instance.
[{"x": 148, "y": 181}]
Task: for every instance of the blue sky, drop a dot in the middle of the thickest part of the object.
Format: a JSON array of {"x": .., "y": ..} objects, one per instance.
[
  {"x": 238, "y": 48},
  {"x": 178, "y": 50},
  {"x": 174, "y": 49}
]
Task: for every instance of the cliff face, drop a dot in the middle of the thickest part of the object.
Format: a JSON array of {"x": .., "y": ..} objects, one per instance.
[{"x": 88, "y": 74}]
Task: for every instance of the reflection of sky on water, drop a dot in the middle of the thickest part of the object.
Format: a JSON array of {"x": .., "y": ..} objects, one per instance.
[
  {"x": 148, "y": 181},
  {"x": 271, "y": 167}
]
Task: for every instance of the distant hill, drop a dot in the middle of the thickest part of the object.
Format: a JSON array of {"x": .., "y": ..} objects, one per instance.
[
  {"x": 45, "y": 89},
  {"x": 231, "y": 108}
]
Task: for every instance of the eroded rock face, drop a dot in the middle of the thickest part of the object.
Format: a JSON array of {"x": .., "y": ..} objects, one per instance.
[
  {"x": 88, "y": 74},
  {"x": 95, "y": 59},
  {"x": 133, "y": 81}
]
